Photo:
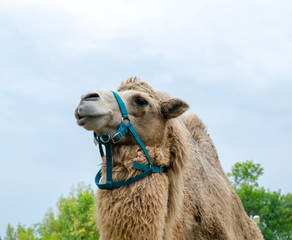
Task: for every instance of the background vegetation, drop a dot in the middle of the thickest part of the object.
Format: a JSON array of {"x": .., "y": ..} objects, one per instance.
[
  {"x": 76, "y": 220},
  {"x": 274, "y": 208}
]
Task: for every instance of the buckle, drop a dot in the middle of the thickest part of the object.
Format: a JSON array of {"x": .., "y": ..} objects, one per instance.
[{"x": 113, "y": 138}]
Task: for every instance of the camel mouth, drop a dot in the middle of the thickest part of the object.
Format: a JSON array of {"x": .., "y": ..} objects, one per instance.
[{"x": 82, "y": 120}]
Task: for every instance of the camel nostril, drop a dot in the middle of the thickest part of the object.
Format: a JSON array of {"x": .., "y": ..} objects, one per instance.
[{"x": 91, "y": 96}]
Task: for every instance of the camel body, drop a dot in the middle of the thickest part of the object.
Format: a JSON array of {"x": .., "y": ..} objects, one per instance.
[{"x": 193, "y": 199}]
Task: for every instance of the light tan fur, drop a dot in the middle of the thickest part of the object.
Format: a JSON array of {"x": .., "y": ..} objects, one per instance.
[{"x": 193, "y": 199}]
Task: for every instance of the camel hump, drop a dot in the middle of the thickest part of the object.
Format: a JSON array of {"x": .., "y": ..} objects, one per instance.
[
  {"x": 195, "y": 126},
  {"x": 199, "y": 134}
]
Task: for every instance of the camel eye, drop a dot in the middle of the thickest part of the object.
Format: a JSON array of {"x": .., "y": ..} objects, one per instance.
[{"x": 141, "y": 102}]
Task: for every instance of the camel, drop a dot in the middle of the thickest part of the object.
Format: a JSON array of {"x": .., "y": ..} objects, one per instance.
[{"x": 191, "y": 199}]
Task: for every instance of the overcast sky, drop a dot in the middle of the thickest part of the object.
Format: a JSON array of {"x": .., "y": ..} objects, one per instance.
[{"x": 230, "y": 60}]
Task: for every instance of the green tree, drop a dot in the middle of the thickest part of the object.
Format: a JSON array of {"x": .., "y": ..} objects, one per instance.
[
  {"x": 25, "y": 233},
  {"x": 274, "y": 209},
  {"x": 245, "y": 172},
  {"x": 10, "y": 233},
  {"x": 76, "y": 216},
  {"x": 75, "y": 220}
]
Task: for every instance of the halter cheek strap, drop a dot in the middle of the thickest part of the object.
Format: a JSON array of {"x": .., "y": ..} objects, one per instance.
[{"x": 107, "y": 141}]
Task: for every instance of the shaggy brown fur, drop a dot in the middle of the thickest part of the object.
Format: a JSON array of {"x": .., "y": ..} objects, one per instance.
[{"x": 192, "y": 200}]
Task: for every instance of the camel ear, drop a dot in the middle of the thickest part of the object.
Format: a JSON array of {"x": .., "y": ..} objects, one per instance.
[{"x": 173, "y": 108}]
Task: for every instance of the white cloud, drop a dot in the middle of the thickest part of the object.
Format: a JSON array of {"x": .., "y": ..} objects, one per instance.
[{"x": 224, "y": 42}]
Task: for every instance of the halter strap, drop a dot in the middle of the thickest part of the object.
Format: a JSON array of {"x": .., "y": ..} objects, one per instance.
[
  {"x": 107, "y": 141},
  {"x": 121, "y": 105}
]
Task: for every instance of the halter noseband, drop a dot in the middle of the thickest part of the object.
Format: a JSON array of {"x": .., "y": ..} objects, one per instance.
[{"x": 107, "y": 141}]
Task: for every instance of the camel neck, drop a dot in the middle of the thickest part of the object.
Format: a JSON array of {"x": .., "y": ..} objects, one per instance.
[{"x": 107, "y": 141}]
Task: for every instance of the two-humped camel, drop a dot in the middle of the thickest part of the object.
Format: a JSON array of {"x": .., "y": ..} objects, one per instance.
[{"x": 192, "y": 199}]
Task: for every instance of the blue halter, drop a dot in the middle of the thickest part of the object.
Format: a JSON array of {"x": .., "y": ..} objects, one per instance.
[{"x": 107, "y": 141}]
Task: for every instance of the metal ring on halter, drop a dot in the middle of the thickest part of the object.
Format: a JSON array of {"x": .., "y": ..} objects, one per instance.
[
  {"x": 109, "y": 138},
  {"x": 126, "y": 118}
]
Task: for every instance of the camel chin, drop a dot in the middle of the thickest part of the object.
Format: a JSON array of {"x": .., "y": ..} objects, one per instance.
[
  {"x": 93, "y": 123},
  {"x": 89, "y": 123}
]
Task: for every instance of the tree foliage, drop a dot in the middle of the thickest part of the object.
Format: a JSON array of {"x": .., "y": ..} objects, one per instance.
[
  {"x": 245, "y": 172},
  {"x": 274, "y": 209},
  {"x": 75, "y": 220},
  {"x": 10, "y": 233},
  {"x": 21, "y": 233}
]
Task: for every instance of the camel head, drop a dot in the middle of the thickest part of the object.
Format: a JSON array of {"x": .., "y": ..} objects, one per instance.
[{"x": 148, "y": 111}]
